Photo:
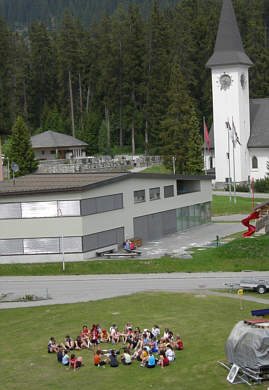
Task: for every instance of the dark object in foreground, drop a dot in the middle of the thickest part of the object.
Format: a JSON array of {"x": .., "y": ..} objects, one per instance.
[{"x": 131, "y": 254}]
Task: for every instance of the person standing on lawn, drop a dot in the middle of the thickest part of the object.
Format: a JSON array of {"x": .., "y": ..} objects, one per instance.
[{"x": 95, "y": 338}]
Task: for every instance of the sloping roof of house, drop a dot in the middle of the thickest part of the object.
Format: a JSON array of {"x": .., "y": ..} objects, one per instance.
[
  {"x": 259, "y": 123},
  {"x": 228, "y": 47},
  {"x": 51, "y": 139},
  {"x": 78, "y": 182}
]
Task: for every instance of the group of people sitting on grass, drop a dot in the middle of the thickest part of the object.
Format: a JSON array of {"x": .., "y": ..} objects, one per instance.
[{"x": 147, "y": 346}]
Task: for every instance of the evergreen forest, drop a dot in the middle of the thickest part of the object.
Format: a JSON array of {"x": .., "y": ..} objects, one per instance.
[{"x": 131, "y": 79}]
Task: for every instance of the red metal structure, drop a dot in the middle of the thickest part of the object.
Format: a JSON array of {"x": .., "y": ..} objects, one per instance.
[{"x": 251, "y": 228}]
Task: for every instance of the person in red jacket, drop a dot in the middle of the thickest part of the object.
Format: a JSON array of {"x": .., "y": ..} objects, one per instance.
[
  {"x": 94, "y": 336},
  {"x": 132, "y": 246},
  {"x": 75, "y": 362}
]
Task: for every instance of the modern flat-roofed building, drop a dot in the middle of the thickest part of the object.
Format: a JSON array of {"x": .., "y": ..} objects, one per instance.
[{"x": 43, "y": 216}]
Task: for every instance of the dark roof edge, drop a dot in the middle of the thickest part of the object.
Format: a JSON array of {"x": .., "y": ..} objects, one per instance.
[
  {"x": 222, "y": 65},
  {"x": 106, "y": 182},
  {"x": 172, "y": 176},
  {"x": 258, "y": 147}
]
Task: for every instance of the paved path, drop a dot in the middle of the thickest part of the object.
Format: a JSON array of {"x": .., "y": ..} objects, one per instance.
[
  {"x": 177, "y": 243},
  {"x": 230, "y": 218},
  {"x": 241, "y": 194},
  {"x": 83, "y": 288}
]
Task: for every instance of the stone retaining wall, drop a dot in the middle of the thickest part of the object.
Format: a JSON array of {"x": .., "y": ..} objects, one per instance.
[{"x": 100, "y": 163}]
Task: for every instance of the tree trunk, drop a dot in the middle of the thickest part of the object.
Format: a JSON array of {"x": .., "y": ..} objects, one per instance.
[
  {"x": 88, "y": 98},
  {"x": 108, "y": 127},
  {"x": 25, "y": 105},
  {"x": 1, "y": 164},
  {"x": 133, "y": 122},
  {"x": 146, "y": 138},
  {"x": 72, "y": 105},
  {"x": 121, "y": 130},
  {"x": 133, "y": 137},
  {"x": 15, "y": 96},
  {"x": 80, "y": 96}
]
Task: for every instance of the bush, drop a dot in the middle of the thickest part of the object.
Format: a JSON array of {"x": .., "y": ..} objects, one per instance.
[
  {"x": 242, "y": 188},
  {"x": 239, "y": 187},
  {"x": 262, "y": 185}
]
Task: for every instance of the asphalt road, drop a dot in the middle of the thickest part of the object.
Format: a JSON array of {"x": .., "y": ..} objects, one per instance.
[{"x": 70, "y": 289}]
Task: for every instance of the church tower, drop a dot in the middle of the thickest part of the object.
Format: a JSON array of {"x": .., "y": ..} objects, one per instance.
[{"x": 230, "y": 88}]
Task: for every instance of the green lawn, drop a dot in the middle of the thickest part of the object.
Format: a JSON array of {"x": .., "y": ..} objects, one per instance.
[
  {"x": 221, "y": 205},
  {"x": 26, "y": 365},
  {"x": 157, "y": 169},
  {"x": 240, "y": 254}
]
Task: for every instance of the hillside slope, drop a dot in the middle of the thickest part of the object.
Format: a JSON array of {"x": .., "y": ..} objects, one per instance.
[{"x": 19, "y": 14}]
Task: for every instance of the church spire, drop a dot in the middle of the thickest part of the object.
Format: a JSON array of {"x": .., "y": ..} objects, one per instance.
[{"x": 228, "y": 47}]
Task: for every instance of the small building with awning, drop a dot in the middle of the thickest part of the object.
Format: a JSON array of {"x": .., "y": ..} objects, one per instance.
[{"x": 50, "y": 145}]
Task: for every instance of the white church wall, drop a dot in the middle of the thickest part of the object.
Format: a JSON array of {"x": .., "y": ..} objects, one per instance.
[
  {"x": 231, "y": 103},
  {"x": 262, "y": 156}
]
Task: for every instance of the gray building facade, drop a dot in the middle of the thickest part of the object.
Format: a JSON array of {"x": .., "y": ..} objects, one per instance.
[{"x": 44, "y": 216}]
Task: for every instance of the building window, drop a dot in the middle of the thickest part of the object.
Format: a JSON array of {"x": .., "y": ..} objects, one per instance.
[
  {"x": 187, "y": 186},
  {"x": 102, "y": 239},
  {"x": 211, "y": 162},
  {"x": 101, "y": 204},
  {"x": 154, "y": 193},
  {"x": 53, "y": 152},
  {"x": 43, "y": 152},
  {"x": 139, "y": 196},
  {"x": 254, "y": 162},
  {"x": 168, "y": 191}
]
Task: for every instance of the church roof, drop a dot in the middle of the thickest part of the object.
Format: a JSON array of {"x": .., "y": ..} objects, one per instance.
[
  {"x": 259, "y": 123},
  {"x": 228, "y": 47},
  {"x": 51, "y": 139}
]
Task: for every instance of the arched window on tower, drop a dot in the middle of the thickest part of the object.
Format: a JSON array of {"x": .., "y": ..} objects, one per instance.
[{"x": 254, "y": 162}]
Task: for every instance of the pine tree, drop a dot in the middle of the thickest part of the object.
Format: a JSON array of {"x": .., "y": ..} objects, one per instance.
[
  {"x": 107, "y": 82},
  {"x": 178, "y": 125},
  {"x": 256, "y": 42},
  {"x": 43, "y": 72},
  {"x": 133, "y": 64},
  {"x": 21, "y": 151},
  {"x": 68, "y": 67},
  {"x": 119, "y": 42},
  {"x": 194, "y": 156},
  {"x": 157, "y": 76},
  {"x": 88, "y": 131},
  {"x": 5, "y": 70},
  {"x": 102, "y": 139},
  {"x": 19, "y": 77}
]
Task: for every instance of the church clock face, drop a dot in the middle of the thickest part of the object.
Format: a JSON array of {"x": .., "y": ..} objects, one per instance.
[{"x": 225, "y": 81}]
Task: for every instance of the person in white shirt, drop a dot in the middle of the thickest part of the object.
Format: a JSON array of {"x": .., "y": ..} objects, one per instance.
[
  {"x": 126, "y": 357},
  {"x": 155, "y": 331},
  {"x": 170, "y": 354}
]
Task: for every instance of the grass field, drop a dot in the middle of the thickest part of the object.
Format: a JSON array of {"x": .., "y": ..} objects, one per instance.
[
  {"x": 221, "y": 205},
  {"x": 237, "y": 255},
  {"x": 204, "y": 322},
  {"x": 157, "y": 169}
]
